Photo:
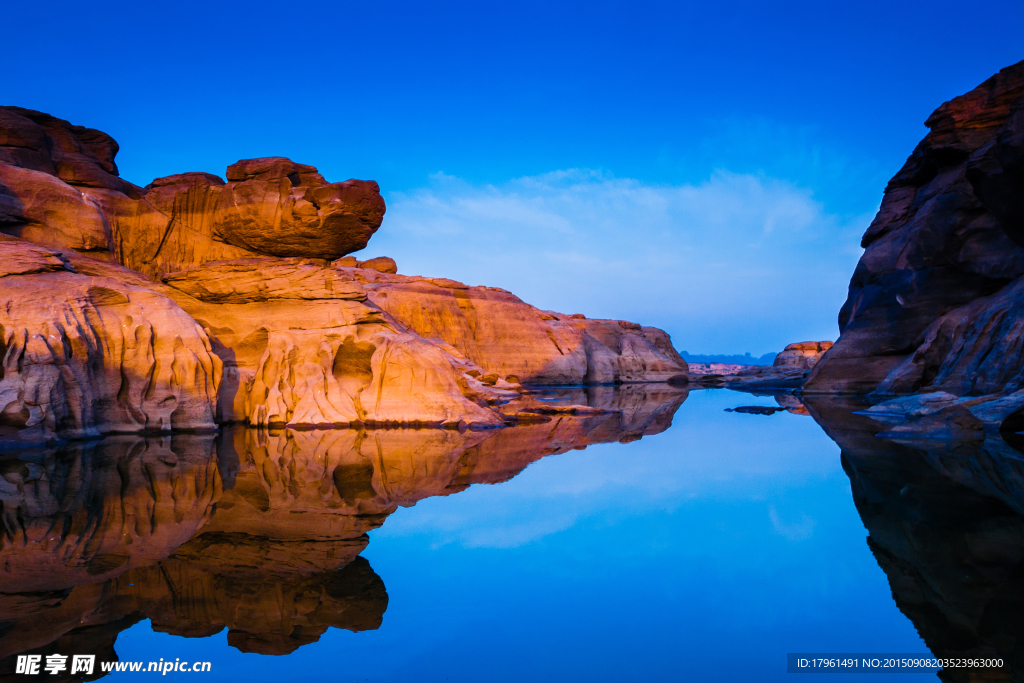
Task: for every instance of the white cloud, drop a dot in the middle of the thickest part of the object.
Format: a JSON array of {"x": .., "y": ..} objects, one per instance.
[{"x": 736, "y": 263}]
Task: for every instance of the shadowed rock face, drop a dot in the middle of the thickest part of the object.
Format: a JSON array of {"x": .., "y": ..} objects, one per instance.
[
  {"x": 255, "y": 531},
  {"x": 934, "y": 302},
  {"x": 946, "y": 524}
]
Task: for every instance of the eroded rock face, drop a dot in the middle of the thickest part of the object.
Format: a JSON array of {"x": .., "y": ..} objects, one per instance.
[
  {"x": 86, "y": 355},
  {"x": 933, "y": 302},
  {"x": 76, "y": 155},
  {"x": 304, "y": 346},
  {"x": 499, "y": 332},
  {"x": 254, "y": 269},
  {"x": 268, "y": 207}
]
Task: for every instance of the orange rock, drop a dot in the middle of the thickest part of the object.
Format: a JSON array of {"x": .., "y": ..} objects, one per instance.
[
  {"x": 89, "y": 355},
  {"x": 305, "y": 338},
  {"x": 802, "y": 355},
  {"x": 61, "y": 190},
  {"x": 502, "y": 334},
  {"x": 382, "y": 264}
]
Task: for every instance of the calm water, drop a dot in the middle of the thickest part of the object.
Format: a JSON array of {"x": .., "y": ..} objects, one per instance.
[{"x": 677, "y": 541}]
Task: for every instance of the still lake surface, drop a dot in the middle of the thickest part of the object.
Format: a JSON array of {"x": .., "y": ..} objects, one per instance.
[{"x": 572, "y": 550}]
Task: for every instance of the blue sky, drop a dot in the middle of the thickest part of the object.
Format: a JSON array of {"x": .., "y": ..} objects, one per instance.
[{"x": 707, "y": 168}]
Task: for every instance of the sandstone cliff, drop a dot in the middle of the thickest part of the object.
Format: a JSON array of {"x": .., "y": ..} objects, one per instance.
[
  {"x": 934, "y": 302},
  {"x": 196, "y": 301}
]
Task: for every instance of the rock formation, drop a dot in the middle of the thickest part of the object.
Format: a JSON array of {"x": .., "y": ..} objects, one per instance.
[
  {"x": 251, "y": 530},
  {"x": 787, "y": 373},
  {"x": 802, "y": 355},
  {"x": 59, "y": 188},
  {"x": 85, "y": 355},
  {"x": 196, "y": 301},
  {"x": 934, "y": 302}
]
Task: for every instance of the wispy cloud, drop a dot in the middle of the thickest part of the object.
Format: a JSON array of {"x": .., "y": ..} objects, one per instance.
[{"x": 738, "y": 262}]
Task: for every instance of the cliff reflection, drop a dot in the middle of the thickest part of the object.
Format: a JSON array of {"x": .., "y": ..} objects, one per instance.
[
  {"x": 254, "y": 531},
  {"x": 946, "y": 524}
]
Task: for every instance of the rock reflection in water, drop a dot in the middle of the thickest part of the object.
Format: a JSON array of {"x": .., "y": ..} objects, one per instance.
[
  {"x": 946, "y": 524},
  {"x": 254, "y": 531}
]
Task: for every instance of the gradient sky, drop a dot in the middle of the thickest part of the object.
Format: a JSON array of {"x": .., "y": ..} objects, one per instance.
[{"x": 707, "y": 168}]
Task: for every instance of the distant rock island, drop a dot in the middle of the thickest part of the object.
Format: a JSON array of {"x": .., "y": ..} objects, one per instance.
[{"x": 199, "y": 300}]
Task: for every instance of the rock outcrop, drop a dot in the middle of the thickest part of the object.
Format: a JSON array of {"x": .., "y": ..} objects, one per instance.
[
  {"x": 934, "y": 302},
  {"x": 59, "y": 188},
  {"x": 499, "y": 332},
  {"x": 801, "y": 355},
  {"x": 196, "y": 301},
  {"x": 86, "y": 355},
  {"x": 787, "y": 373}
]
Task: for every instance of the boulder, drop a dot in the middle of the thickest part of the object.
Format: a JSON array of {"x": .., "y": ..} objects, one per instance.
[
  {"x": 76, "y": 155},
  {"x": 803, "y": 355},
  {"x": 268, "y": 207},
  {"x": 381, "y": 264},
  {"x": 59, "y": 188}
]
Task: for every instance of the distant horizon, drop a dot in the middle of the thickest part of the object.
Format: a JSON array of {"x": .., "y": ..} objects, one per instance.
[{"x": 661, "y": 163}]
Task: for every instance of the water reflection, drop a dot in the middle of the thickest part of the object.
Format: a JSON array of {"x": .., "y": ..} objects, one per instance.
[
  {"x": 946, "y": 524},
  {"x": 254, "y": 531}
]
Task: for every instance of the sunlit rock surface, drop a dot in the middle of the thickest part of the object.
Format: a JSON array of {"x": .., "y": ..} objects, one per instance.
[
  {"x": 253, "y": 530},
  {"x": 934, "y": 303},
  {"x": 85, "y": 355},
  {"x": 306, "y": 336},
  {"x": 498, "y": 331},
  {"x": 59, "y": 187}
]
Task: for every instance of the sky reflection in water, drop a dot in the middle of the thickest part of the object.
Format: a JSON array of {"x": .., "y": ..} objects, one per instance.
[{"x": 703, "y": 553}]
